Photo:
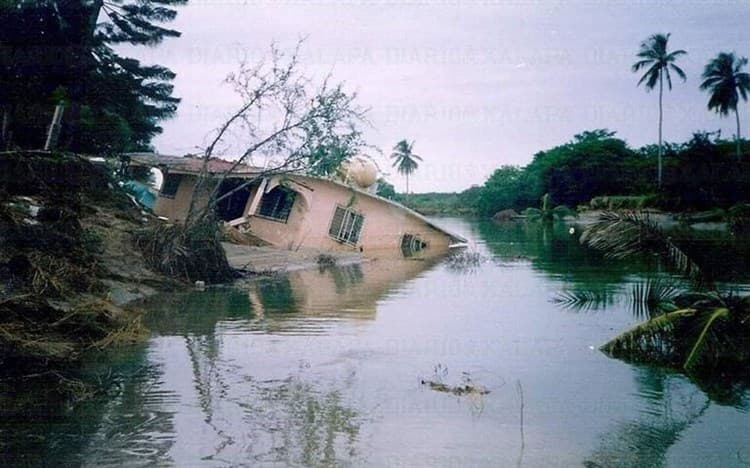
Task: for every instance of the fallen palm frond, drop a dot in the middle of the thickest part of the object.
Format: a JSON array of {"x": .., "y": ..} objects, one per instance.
[
  {"x": 702, "y": 342},
  {"x": 705, "y": 336},
  {"x": 622, "y": 234},
  {"x": 655, "y": 340},
  {"x": 648, "y": 298},
  {"x": 653, "y": 297}
]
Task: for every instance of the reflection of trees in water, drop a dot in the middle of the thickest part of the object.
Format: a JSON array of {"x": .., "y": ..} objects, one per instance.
[
  {"x": 671, "y": 407},
  {"x": 136, "y": 428},
  {"x": 208, "y": 381},
  {"x": 307, "y": 426},
  {"x": 553, "y": 250},
  {"x": 290, "y": 422},
  {"x": 196, "y": 312},
  {"x": 276, "y": 294},
  {"x": 124, "y": 424}
]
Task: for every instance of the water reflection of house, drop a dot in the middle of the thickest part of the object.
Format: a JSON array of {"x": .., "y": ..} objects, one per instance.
[
  {"x": 351, "y": 291},
  {"x": 296, "y": 211},
  {"x": 283, "y": 304}
]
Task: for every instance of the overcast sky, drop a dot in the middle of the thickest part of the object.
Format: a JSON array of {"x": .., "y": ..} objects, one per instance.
[{"x": 476, "y": 84}]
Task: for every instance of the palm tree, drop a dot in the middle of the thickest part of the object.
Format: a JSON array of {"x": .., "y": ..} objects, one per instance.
[
  {"x": 404, "y": 160},
  {"x": 654, "y": 57},
  {"x": 724, "y": 79}
]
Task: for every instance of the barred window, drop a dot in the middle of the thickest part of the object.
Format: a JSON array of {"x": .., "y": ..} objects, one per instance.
[
  {"x": 346, "y": 225},
  {"x": 170, "y": 185},
  {"x": 411, "y": 244},
  {"x": 277, "y": 204}
]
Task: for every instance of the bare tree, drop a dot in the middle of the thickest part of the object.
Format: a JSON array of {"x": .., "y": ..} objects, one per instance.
[
  {"x": 284, "y": 119},
  {"x": 284, "y": 123}
]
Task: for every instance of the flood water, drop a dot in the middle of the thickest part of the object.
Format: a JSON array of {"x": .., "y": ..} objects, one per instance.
[{"x": 324, "y": 368}]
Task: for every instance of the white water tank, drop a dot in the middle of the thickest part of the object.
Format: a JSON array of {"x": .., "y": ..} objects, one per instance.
[{"x": 359, "y": 171}]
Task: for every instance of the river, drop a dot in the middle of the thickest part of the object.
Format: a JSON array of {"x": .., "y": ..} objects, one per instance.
[{"x": 325, "y": 368}]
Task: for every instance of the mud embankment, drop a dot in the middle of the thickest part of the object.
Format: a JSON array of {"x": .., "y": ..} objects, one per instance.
[{"x": 67, "y": 263}]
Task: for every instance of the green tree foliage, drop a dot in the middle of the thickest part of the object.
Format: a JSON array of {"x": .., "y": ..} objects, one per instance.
[
  {"x": 53, "y": 49},
  {"x": 657, "y": 61},
  {"x": 325, "y": 159},
  {"x": 385, "y": 189},
  {"x": 726, "y": 83},
  {"x": 501, "y": 191},
  {"x": 405, "y": 161},
  {"x": 594, "y": 163},
  {"x": 703, "y": 174}
]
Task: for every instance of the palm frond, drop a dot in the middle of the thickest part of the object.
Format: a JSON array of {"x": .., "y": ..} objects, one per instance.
[
  {"x": 680, "y": 72},
  {"x": 665, "y": 71},
  {"x": 620, "y": 235},
  {"x": 653, "y": 54},
  {"x": 653, "y": 297},
  {"x": 651, "y": 341},
  {"x": 701, "y": 343}
]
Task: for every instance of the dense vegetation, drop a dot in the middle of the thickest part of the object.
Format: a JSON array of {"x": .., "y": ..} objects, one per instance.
[
  {"x": 701, "y": 173},
  {"x": 62, "y": 52},
  {"x": 66, "y": 265}
]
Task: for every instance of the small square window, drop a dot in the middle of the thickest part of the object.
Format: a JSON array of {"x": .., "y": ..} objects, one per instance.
[
  {"x": 411, "y": 244},
  {"x": 346, "y": 225}
]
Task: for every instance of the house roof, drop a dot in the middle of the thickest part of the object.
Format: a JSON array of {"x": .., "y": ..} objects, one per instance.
[{"x": 190, "y": 164}]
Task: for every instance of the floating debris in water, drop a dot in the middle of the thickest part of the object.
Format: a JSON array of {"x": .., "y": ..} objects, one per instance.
[{"x": 467, "y": 387}]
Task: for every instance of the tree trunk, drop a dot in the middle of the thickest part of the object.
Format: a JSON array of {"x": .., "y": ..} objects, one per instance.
[
  {"x": 659, "y": 162},
  {"x": 739, "y": 139},
  {"x": 4, "y": 133}
]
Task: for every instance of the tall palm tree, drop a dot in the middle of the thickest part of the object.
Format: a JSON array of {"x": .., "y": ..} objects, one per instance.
[
  {"x": 404, "y": 160},
  {"x": 724, "y": 79},
  {"x": 657, "y": 61}
]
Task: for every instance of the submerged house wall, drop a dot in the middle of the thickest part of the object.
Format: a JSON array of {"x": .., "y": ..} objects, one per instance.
[
  {"x": 319, "y": 214},
  {"x": 176, "y": 204},
  {"x": 383, "y": 225}
]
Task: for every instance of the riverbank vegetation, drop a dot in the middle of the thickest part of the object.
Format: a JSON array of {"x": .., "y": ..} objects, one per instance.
[
  {"x": 67, "y": 265},
  {"x": 697, "y": 326},
  {"x": 598, "y": 170},
  {"x": 698, "y": 174}
]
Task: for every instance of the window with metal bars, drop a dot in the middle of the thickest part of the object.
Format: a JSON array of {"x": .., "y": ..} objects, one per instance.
[
  {"x": 346, "y": 225},
  {"x": 411, "y": 244},
  {"x": 277, "y": 204}
]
